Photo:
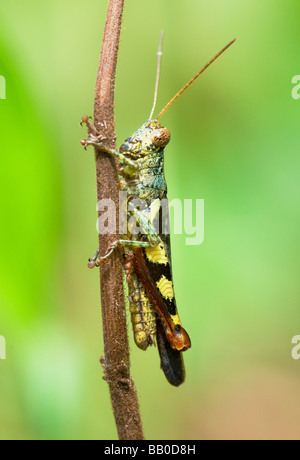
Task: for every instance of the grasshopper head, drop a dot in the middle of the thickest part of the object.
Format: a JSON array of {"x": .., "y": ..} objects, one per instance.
[{"x": 150, "y": 138}]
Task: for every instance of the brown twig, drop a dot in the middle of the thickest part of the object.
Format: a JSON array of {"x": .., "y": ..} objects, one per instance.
[{"x": 116, "y": 362}]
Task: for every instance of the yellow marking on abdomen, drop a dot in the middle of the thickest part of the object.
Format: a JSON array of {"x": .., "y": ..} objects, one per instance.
[
  {"x": 166, "y": 288},
  {"x": 157, "y": 254}
]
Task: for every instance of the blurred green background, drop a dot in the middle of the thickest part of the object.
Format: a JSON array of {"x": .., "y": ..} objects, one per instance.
[{"x": 234, "y": 143}]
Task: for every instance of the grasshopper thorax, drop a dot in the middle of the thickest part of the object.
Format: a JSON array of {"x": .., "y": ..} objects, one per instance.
[{"x": 150, "y": 138}]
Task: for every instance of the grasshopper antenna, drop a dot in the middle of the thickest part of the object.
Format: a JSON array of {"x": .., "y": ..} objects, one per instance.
[
  {"x": 193, "y": 79},
  {"x": 159, "y": 55}
]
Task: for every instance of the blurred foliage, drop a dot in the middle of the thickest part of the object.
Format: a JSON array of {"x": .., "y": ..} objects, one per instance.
[{"x": 234, "y": 143}]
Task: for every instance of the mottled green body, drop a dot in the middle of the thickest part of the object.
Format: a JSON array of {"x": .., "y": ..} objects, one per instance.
[
  {"x": 150, "y": 182},
  {"x": 148, "y": 185}
]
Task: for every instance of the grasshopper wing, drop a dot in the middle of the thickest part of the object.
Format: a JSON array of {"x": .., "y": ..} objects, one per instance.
[{"x": 171, "y": 361}]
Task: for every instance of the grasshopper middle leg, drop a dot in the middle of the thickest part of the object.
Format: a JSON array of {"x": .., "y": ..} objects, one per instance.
[{"x": 96, "y": 260}]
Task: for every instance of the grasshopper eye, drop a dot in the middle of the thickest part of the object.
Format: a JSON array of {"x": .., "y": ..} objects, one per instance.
[{"x": 161, "y": 137}]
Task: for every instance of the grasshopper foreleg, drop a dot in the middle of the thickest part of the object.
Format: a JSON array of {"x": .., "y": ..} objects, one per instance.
[{"x": 129, "y": 167}]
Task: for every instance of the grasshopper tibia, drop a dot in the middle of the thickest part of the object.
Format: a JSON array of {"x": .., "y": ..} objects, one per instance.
[{"x": 96, "y": 260}]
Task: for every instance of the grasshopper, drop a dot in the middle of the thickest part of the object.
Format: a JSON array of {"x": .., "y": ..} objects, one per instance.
[{"x": 147, "y": 254}]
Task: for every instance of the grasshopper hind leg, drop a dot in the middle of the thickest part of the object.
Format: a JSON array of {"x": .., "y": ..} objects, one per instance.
[{"x": 143, "y": 316}]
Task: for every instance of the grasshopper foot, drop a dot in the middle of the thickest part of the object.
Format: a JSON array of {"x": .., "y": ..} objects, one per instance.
[
  {"x": 90, "y": 127},
  {"x": 93, "y": 140},
  {"x": 94, "y": 261},
  {"x": 85, "y": 120}
]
